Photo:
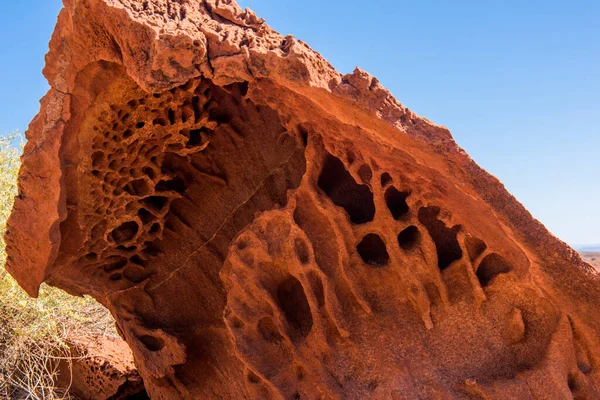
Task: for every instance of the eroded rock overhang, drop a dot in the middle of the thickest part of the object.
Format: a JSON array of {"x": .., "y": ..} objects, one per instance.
[{"x": 239, "y": 205}]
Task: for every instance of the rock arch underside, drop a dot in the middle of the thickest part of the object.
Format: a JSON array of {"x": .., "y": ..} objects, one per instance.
[{"x": 263, "y": 227}]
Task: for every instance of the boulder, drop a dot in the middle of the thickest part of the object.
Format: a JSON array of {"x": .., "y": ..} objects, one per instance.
[
  {"x": 262, "y": 226},
  {"x": 100, "y": 368}
]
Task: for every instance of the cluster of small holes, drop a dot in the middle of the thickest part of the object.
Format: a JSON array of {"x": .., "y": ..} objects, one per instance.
[
  {"x": 132, "y": 176},
  {"x": 357, "y": 200},
  {"x": 99, "y": 373}
]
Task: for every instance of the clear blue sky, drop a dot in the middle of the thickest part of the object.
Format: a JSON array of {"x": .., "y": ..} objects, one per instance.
[{"x": 517, "y": 82}]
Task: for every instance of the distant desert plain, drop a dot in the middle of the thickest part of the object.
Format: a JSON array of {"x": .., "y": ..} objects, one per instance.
[{"x": 593, "y": 258}]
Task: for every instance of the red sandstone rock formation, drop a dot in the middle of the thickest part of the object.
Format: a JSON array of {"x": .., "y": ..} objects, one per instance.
[{"x": 263, "y": 227}]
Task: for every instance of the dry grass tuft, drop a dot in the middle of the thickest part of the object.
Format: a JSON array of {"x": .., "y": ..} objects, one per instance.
[{"x": 35, "y": 333}]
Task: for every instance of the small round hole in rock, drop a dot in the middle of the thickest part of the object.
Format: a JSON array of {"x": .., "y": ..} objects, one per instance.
[{"x": 373, "y": 251}]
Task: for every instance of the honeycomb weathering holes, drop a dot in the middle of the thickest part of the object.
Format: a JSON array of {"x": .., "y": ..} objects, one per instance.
[
  {"x": 343, "y": 190},
  {"x": 145, "y": 155}
]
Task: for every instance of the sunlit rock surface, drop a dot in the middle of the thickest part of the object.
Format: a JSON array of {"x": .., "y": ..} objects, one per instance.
[{"x": 262, "y": 226}]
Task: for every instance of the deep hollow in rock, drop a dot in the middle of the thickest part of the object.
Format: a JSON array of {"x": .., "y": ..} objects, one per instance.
[
  {"x": 373, "y": 251},
  {"x": 343, "y": 190},
  {"x": 396, "y": 202},
  {"x": 409, "y": 238},
  {"x": 490, "y": 267},
  {"x": 446, "y": 243},
  {"x": 292, "y": 300}
]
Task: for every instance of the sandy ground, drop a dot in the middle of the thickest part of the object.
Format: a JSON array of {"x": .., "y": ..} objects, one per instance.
[{"x": 592, "y": 258}]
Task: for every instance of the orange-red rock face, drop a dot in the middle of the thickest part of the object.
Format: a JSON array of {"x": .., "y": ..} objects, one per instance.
[{"x": 262, "y": 227}]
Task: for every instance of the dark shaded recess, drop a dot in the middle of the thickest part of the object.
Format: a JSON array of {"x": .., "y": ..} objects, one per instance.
[
  {"x": 385, "y": 179},
  {"x": 114, "y": 263},
  {"x": 131, "y": 390},
  {"x": 152, "y": 249},
  {"x": 396, "y": 202},
  {"x": 136, "y": 259},
  {"x": 302, "y": 251},
  {"x": 145, "y": 216},
  {"x": 582, "y": 352},
  {"x": 238, "y": 90},
  {"x": 448, "y": 249},
  {"x": 343, "y": 190},
  {"x": 125, "y": 232},
  {"x": 176, "y": 185},
  {"x": 195, "y": 138},
  {"x": 373, "y": 251},
  {"x": 317, "y": 287},
  {"x": 490, "y": 267},
  {"x": 303, "y": 134},
  {"x": 97, "y": 158},
  {"x": 142, "y": 395},
  {"x": 150, "y": 173},
  {"x": 252, "y": 377},
  {"x": 155, "y": 228},
  {"x": 572, "y": 383},
  {"x": 292, "y": 301},
  {"x": 178, "y": 166},
  {"x": 155, "y": 203},
  {"x": 152, "y": 343},
  {"x": 475, "y": 247},
  {"x": 365, "y": 173},
  {"x": 268, "y": 330},
  {"x": 221, "y": 115},
  {"x": 409, "y": 238},
  {"x": 138, "y": 187}
]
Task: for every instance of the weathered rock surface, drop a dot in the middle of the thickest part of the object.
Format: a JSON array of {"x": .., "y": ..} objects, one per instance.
[
  {"x": 101, "y": 368},
  {"x": 261, "y": 226}
]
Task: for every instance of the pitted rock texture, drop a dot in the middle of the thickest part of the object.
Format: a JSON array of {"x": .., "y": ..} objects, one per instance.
[
  {"x": 263, "y": 227},
  {"x": 100, "y": 368}
]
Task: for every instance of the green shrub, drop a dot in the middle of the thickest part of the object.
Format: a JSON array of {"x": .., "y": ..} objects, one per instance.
[{"x": 35, "y": 333}]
